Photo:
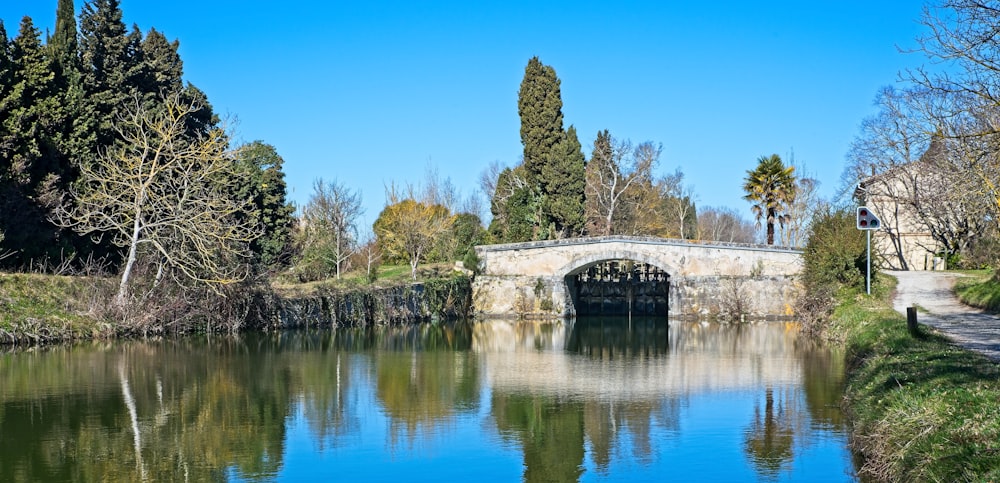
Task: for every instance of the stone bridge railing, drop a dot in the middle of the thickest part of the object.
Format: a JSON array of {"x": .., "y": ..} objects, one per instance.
[{"x": 706, "y": 279}]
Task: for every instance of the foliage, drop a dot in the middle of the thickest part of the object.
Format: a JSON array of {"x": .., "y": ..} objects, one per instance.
[
  {"x": 174, "y": 198},
  {"x": 833, "y": 259},
  {"x": 771, "y": 188},
  {"x": 36, "y": 113},
  {"x": 563, "y": 186},
  {"x": 458, "y": 244},
  {"x": 539, "y": 105},
  {"x": 543, "y": 197},
  {"x": 514, "y": 208},
  {"x": 921, "y": 408},
  {"x": 982, "y": 292},
  {"x": 263, "y": 183},
  {"x": 408, "y": 229}
]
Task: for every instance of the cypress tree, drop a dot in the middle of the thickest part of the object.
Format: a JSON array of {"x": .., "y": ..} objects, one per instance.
[
  {"x": 564, "y": 182},
  {"x": 63, "y": 44},
  {"x": 163, "y": 67}
]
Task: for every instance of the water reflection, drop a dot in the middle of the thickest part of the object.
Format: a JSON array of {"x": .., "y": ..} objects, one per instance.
[{"x": 544, "y": 401}]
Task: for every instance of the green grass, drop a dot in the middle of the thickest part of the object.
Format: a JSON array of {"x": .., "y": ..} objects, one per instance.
[
  {"x": 981, "y": 289},
  {"x": 41, "y": 308},
  {"x": 921, "y": 408},
  {"x": 388, "y": 275}
]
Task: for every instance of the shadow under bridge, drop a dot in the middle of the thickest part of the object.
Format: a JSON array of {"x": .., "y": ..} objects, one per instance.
[{"x": 619, "y": 287}]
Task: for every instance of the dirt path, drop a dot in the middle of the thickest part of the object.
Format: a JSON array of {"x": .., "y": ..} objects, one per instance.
[{"x": 968, "y": 327}]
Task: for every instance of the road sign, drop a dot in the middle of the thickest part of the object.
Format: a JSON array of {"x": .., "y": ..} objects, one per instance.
[{"x": 867, "y": 220}]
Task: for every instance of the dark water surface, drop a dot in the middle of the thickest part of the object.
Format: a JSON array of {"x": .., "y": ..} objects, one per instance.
[{"x": 594, "y": 400}]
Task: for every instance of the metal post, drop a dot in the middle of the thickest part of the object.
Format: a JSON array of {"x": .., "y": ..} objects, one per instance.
[{"x": 868, "y": 261}]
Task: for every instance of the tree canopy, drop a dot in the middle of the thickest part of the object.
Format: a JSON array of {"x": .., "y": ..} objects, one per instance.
[{"x": 770, "y": 188}]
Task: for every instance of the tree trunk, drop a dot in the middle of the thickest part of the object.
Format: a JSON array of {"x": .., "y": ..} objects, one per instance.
[{"x": 127, "y": 272}]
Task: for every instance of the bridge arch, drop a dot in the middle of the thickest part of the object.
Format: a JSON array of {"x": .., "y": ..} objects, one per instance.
[
  {"x": 533, "y": 278},
  {"x": 585, "y": 260}
]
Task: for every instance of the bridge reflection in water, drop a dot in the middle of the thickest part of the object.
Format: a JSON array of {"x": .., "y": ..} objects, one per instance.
[{"x": 642, "y": 360}]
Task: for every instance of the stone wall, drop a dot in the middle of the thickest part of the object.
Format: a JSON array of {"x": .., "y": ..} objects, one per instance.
[{"x": 706, "y": 280}]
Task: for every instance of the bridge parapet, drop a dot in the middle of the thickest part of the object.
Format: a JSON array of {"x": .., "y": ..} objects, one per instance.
[{"x": 530, "y": 279}]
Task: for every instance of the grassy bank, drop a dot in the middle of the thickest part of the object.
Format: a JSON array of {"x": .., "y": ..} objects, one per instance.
[
  {"x": 981, "y": 289},
  {"x": 44, "y": 308},
  {"x": 921, "y": 408},
  {"x": 36, "y": 308}
]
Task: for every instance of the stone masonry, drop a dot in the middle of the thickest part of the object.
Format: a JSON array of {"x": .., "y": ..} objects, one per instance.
[{"x": 706, "y": 279}]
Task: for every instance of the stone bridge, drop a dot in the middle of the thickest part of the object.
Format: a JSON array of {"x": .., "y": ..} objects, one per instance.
[{"x": 640, "y": 275}]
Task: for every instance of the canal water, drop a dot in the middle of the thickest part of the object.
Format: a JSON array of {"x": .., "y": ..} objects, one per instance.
[{"x": 601, "y": 399}]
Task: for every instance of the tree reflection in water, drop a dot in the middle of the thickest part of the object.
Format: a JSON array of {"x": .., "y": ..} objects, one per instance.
[{"x": 565, "y": 398}]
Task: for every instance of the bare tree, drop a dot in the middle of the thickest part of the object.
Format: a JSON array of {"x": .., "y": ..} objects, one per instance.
[
  {"x": 963, "y": 35},
  {"x": 372, "y": 254},
  {"x": 926, "y": 172},
  {"x": 330, "y": 224},
  {"x": 162, "y": 190},
  {"x": 888, "y": 142},
  {"x": 612, "y": 178},
  {"x": 488, "y": 178},
  {"x": 725, "y": 225},
  {"x": 798, "y": 213},
  {"x": 679, "y": 203}
]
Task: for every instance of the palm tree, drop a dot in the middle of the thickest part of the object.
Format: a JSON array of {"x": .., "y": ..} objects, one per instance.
[{"x": 771, "y": 187}]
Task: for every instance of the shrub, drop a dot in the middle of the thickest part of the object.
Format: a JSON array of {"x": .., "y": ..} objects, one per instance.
[{"x": 834, "y": 257}]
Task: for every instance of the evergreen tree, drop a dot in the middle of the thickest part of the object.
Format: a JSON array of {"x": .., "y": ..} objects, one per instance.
[
  {"x": 163, "y": 66},
  {"x": 539, "y": 104},
  {"x": 600, "y": 159},
  {"x": 565, "y": 180},
  {"x": 63, "y": 44},
  {"x": 264, "y": 185},
  {"x": 513, "y": 207},
  {"x": 27, "y": 145},
  {"x": 110, "y": 58},
  {"x": 553, "y": 162}
]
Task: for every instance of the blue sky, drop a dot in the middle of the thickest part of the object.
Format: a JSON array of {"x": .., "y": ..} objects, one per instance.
[{"x": 373, "y": 92}]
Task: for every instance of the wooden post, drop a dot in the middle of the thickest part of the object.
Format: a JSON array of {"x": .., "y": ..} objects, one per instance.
[{"x": 911, "y": 320}]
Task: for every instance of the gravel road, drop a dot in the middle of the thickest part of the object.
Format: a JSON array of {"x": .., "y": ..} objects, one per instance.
[{"x": 968, "y": 327}]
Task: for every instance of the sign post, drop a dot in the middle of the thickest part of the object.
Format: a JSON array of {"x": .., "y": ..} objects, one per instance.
[{"x": 867, "y": 221}]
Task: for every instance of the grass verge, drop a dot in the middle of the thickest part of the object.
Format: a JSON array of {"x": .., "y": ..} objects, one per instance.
[
  {"x": 921, "y": 408},
  {"x": 981, "y": 290}
]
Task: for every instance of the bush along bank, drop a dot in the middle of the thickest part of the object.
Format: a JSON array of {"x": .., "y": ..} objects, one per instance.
[
  {"x": 921, "y": 408},
  {"x": 430, "y": 300}
]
